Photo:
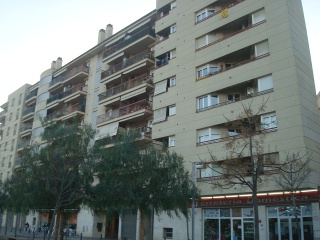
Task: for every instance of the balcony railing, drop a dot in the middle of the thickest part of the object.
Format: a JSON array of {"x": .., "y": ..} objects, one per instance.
[
  {"x": 125, "y": 86},
  {"x": 64, "y": 76},
  {"x": 130, "y": 61},
  {"x": 143, "y": 104},
  {"x": 23, "y": 144},
  {"x": 239, "y": 136},
  {"x": 27, "y": 111},
  {"x": 66, "y": 111},
  {"x": 66, "y": 93},
  {"x": 4, "y": 111},
  {"x": 234, "y": 66},
  {"x": 31, "y": 94},
  {"x": 235, "y": 100},
  {"x": 230, "y": 35},
  {"x": 220, "y": 11},
  {"x": 26, "y": 127},
  {"x": 128, "y": 41}
]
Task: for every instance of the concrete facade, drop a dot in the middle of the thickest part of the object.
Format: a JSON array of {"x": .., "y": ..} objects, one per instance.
[{"x": 176, "y": 74}]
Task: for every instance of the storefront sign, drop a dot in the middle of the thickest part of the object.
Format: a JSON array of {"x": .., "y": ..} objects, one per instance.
[{"x": 279, "y": 199}]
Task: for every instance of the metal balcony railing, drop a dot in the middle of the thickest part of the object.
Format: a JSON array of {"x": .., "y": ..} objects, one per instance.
[
  {"x": 143, "y": 104},
  {"x": 130, "y": 61},
  {"x": 125, "y": 86},
  {"x": 23, "y": 144},
  {"x": 4, "y": 111},
  {"x": 234, "y": 66},
  {"x": 26, "y": 127},
  {"x": 27, "y": 111},
  {"x": 230, "y": 35},
  {"x": 236, "y": 100},
  {"x": 64, "y": 76},
  {"x": 66, "y": 111},
  {"x": 220, "y": 11},
  {"x": 128, "y": 41},
  {"x": 66, "y": 93}
]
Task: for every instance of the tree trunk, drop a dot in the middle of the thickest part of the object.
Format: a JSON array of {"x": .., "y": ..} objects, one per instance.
[
  {"x": 142, "y": 227},
  {"x": 52, "y": 224},
  {"x": 57, "y": 225},
  {"x": 295, "y": 214}
]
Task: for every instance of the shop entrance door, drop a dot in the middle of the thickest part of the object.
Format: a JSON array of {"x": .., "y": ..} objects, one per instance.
[{"x": 237, "y": 229}]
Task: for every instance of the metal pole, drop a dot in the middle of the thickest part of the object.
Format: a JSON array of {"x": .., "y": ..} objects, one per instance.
[{"x": 192, "y": 212}]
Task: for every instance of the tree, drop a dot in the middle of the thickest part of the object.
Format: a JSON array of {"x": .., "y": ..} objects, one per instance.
[
  {"x": 245, "y": 162},
  {"x": 292, "y": 173},
  {"x": 133, "y": 175},
  {"x": 56, "y": 173}
]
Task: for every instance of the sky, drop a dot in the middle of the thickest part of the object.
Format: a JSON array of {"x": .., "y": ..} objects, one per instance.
[{"x": 33, "y": 33}]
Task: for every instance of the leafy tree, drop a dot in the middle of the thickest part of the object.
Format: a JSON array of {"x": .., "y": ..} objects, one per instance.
[
  {"x": 133, "y": 175},
  {"x": 56, "y": 173},
  {"x": 245, "y": 161},
  {"x": 293, "y": 172}
]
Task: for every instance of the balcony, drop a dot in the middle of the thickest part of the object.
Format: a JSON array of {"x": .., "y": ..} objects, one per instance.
[
  {"x": 241, "y": 98},
  {"x": 222, "y": 11},
  {"x": 126, "y": 86},
  {"x": 74, "y": 92},
  {"x": 31, "y": 97},
  {"x": 232, "y": 66},
  {"x": 230, "y": 35},
  {"x": 28, "y": 113},
  {"x": 130, "y": 109},
  {"x": 3, "y": 113},
  {"x": 67, "y": 112},
  {"x": 26, "y": 129},
  {"x": 23, "y": 145},
  {"x": 131, "y": 41},
  {"x": 130, "y": 62},
  {"x": 71, "y": 77}
]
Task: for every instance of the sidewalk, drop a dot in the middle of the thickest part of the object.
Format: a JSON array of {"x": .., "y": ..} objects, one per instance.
[{"x": 24, "y": 235}]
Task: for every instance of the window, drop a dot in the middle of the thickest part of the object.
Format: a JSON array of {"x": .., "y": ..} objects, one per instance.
[
  {"x": 160, "y": 87},
  {"x": 173, "y": 29},
  {"x": 258, "y": 16},
  {"x": 233, "y": 132},
  {"x": 269, "y": 121},
  {"x": 172, "y": 54},
  {"x": 171, "y": 141},
  {"x": 208, "y": 134},
  {"x": 167, "y": 233},
  {"x": 2, "y": 165},
  {"x": 20, "y": 99},
  {"x": 261, "y": 48},
  {"x": 8, "y": 131},
  {"x": 265, "y": 83},
  {"x": 207, "y": 101},
  {"x": 17, "y": 114},
  {"x": 15, "y": 129},
  {"x": 205, "y": 70},
  {"x": 5, "y": 146},
  {"x": 172, "y": 110},
  {"x": 13, "y": 100},
  {"x": 159, "y": 115},
  {"x": 12, "y": 145},
  {"x": 210, "y": 171},
  {"x": 203, "y": 14},
  {"x": 233, "y": 97},
  {"x": 172, "y": 82},
  {"x": 173, "y": 5}
]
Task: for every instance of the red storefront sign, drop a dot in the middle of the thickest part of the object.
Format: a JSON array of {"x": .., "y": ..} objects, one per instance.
[{"x": 243, "y": 201}]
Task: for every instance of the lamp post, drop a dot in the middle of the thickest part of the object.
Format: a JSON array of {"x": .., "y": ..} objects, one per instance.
[{"x": 194, "y": 167}]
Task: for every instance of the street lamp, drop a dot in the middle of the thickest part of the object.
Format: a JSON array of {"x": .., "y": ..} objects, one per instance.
[{"x": 194, "y": 167}]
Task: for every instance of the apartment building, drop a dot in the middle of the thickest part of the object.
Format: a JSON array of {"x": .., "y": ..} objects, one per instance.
[{"x": 176, "y": 75}]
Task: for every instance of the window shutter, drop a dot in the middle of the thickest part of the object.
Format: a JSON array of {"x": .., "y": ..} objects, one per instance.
[
  {"x": 261, "y": 48},
  {"x": 160, "y": 87},
  {"x": 265, "y": 83},
  {"x": 159, "y": 115}
]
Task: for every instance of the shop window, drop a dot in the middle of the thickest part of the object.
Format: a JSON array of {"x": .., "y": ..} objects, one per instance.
[{"x": 167, "y": 233}]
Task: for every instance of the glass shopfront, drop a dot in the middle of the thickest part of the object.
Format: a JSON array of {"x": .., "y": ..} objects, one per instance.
[
  {"x": 283, "y": 225},
  {"x": 228, "y": 224}
]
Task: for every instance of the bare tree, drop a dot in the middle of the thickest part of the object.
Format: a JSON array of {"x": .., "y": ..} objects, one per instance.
[
  {"x": 246, "y": 163},
  {"x": 293, "y": 172}
]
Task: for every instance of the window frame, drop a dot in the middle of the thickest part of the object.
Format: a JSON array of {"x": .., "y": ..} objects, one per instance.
[
  {"x": 172, "y": 81},
  {"x": 173, "y": 28},
  {"x": 172, "y": 141},
  {"x": 202, "y": 14},
  {"x": 172, "y": 109},
  {"x": 270, "y": 124},
  {"x": 210, "y": 102},
  {"x": 207, "y": 135}
]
